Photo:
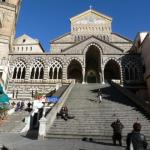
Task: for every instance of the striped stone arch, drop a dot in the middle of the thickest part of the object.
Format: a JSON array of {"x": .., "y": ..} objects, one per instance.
[
  {"x": 55, "y": 68},
  {"x": 56, "y": 59},
  {"x": 74, "y": 58},
  {"x": 37, "y": 68},
  {"x": 132, "y": 69},
  {"x": 112, "y": 58},
  {"x": 18, "y": 68},
  {"x": 92, "y": 44},
  {"x": 117, "y": 61},
  {"x": 17, "y": 59},
  {"x": 32, "y": 60},
  {"x": 74, "y": 69}
]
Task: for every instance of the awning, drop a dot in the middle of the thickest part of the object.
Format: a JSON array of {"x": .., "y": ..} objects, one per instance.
[{"x": 52, "y": 99}]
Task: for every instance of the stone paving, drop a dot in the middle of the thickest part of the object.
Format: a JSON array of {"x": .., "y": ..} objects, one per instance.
[{"x": 18, "y": 142}]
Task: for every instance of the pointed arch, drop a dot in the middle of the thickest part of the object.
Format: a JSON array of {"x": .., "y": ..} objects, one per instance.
[
  {"x": 132, "y": 70},
  {"x": 19, "y": 70},
  {"x": 55, "y": 69},
  {"x": 112, "y": 69},
  {"x": 93, "y": 64},
  {"x": 74, "y": 58},
  {"x": 37, "y": 69},
  {"x": 92, "y": 44},
  {"x": 74, "y": 70}
]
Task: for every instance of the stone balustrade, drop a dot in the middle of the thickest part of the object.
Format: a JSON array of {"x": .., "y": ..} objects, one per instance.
[{"x": 46, "y": 123}]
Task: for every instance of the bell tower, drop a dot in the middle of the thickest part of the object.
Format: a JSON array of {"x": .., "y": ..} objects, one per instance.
[{"x": 9, "y": 11}]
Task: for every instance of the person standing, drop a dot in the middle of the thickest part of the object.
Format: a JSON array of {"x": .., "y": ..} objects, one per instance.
[
  {"x": 99, "y": 96},
  {"x": 135, "y": 140},
  {"x": 117, "y": 131}
]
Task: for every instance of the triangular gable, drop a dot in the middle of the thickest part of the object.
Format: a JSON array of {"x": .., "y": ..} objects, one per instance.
[
  {"x": 63, "y": 38},
  {"x": 79, "y": 47},
  {"x": 90, "y": 16},
  {"x": 25, "y": 39},
  {"x": 121, "y": 37}
]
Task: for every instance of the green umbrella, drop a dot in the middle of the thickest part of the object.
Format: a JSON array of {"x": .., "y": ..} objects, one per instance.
[{"x": 3, "y": 97}]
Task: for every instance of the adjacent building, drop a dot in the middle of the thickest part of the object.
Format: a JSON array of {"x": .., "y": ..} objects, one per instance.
[{"x": 141, "y": 46}]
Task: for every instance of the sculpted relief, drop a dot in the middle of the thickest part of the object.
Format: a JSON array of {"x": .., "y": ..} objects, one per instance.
[{"x": 92, "y": 19}]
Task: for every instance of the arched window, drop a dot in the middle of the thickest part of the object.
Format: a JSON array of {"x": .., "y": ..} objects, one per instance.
[
  {"x": 60, "y": 74},
  {"x": 126, "y": 73},
  {"x": 37, "y": 70},
  {"x": 131, "y": 70},
  {"x": 55, "y": 70},
  {"x": 19, "y": 70}
]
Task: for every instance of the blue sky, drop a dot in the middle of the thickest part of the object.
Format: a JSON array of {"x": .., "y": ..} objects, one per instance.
[{"x": 48, "y": 19}]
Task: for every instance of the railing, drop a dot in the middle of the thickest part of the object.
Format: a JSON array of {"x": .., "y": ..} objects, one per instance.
[
  {"x": 46, "y": 123},
  {"x": 16, "y": 80},
  {"x": 141, "y": 103},
  {"x": 46, "y": 81}
]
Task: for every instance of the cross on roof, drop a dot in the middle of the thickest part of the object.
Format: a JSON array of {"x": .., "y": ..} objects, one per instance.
[{"x": 91, "y": 7}]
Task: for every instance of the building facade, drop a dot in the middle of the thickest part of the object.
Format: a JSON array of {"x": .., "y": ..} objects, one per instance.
[
  {"x": 9, "y": 11},
  {"x": 90, "y": 53},
  {"x": 141, "y": 46}
]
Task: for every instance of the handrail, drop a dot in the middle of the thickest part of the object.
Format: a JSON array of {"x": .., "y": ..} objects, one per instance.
[
  {"x": 50, "y": 118},
  {"x": 141, "y": 103}
]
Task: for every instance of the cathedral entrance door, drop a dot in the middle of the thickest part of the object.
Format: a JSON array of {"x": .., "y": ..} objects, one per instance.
[
  {"x": 91, "y": 77},
  {"x": 112, "y": 70},
  {"x": 93, "y": 65},
  {"x": 74, "y": 71}
]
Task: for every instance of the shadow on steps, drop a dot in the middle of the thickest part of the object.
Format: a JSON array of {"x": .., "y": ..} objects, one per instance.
[
  {"x": 110, "y": 93},
  {"x": 91, "y": 140},
  {"x": 32, "y": 134}
]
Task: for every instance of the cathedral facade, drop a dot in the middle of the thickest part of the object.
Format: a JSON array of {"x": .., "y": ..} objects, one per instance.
[{"x": 90, "y": 53}]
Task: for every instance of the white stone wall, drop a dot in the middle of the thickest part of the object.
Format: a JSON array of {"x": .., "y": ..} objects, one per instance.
[
  {"x": 26, "y": 44},
  {"x": 26, "y": 48},
  {"x": 145, "y": 52}
]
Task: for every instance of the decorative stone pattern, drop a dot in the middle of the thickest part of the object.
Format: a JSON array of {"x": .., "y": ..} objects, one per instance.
[{"x": 33, "y": 72}]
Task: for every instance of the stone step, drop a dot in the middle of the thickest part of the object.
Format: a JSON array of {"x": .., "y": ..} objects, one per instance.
[
  {"x": 93, "y": 119},
  {"x": 14, "y": 123}
]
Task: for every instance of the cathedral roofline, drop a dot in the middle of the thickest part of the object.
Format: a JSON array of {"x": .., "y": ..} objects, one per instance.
[
  {"x": 61, "y": 36},
  {"x": 32, "y": 41},
  {"x": 122, "y": 37},
  {"x": 95, "y": 38},
  {"x": 90, "y": 11}
]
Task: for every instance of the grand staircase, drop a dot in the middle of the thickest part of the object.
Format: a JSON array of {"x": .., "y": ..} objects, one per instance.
[
  {"x": 13, "y": 123},
  {"x": 93, "y": 119}
]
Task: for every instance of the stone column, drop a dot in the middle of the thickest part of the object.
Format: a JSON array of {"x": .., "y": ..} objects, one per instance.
[
  {"x": 100, "y": 77},
  {"x": 28, "y": 72},
  {"x": 83, "y": 75},
  {"x": 121, "y": 76},
  {"x": 64, "y": 73},
  {"x": 46, "y": 73},
  {"x": 42, "y": 127},
  {"x": 103, "y": 79}
]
